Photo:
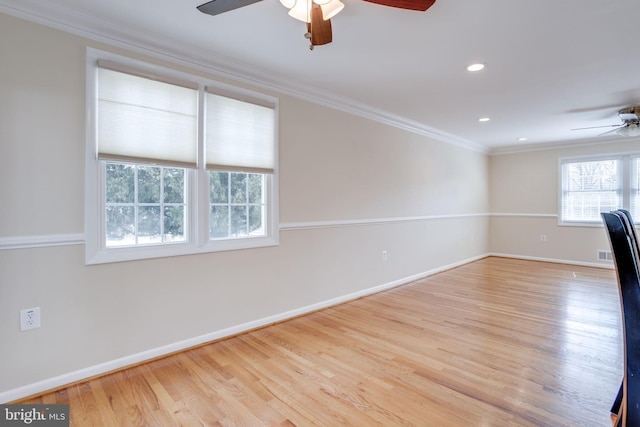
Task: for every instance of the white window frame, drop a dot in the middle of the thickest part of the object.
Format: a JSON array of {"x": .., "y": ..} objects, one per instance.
[
  {"x": 197, "y": 197},
  {"x": 624, "y": 176}
]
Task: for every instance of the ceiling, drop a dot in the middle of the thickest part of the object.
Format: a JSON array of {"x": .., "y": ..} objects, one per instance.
[{"x": 551, "y": 65}]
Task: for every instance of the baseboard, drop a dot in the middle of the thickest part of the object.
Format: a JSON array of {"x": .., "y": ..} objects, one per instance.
[
  {"x": 148, "y": 355},
  {"x": 608, "y": 265}
]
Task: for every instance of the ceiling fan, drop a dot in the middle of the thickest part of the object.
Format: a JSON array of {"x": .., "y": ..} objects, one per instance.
[
  {"x": 630, "y": 126},
  {"x": 316, "y": 13}
]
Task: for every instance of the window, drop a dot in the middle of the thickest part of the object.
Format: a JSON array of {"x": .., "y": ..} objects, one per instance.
[
  {"x": 592, "y": 186},
  {"x": 237, "y": 205},
  {"x": 634, "y": 203},
  {"x": 175, "y": 164},
  {"x": 144, "y": 204}
]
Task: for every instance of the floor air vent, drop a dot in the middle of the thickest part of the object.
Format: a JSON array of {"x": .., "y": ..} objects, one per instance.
[{"x": 605, "y": 256}]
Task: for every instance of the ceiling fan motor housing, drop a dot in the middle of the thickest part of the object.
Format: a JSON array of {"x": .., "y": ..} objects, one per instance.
[{"x": 630, "y": 115}]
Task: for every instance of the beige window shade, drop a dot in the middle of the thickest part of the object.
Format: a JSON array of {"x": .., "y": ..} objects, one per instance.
[
  {"x": 240, "y": 135},
  {"x": 146, "y": 120}
]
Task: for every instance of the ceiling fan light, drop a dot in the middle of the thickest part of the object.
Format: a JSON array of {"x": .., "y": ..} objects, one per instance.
[
  {"x": 301, "y": 10},
  {"x": 631, "y": 130},
  {"x": 331, "y": 9},
  {"x": 288, "y": 3}
]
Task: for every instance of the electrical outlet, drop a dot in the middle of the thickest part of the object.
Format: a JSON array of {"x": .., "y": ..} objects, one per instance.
[{"x": 29, "y": 318}]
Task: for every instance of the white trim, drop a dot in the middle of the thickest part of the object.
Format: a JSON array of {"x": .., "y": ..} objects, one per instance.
[
  {"x": 22, "y": 242},
  {"x": 604, "y": 264},
  {"x": 524, "y": 215},
  {"x": 286, "y": 226},
  {"x": 133, "y": 359},
  {"x": 96, "y": 29},
  {"x": 25, "y": 242},
  {"x": 578, "y": 143}
]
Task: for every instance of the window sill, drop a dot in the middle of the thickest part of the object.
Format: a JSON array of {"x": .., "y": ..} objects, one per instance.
[{"x": 122, "y": 254}]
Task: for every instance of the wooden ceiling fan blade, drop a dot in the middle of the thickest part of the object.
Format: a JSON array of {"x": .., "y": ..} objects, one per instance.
[
  {"x": 319, "y": 29},
  {"x": 216, "y": 7},
  {"x": 421, "y": 5}
]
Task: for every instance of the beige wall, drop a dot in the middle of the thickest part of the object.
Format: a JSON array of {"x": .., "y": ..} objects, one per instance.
[
  {"x": 423, "y": 201},
  {"x": 524, "y": 204}
]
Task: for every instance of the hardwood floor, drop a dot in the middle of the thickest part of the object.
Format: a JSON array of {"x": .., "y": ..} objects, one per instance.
[{"x": 498, "y": 342}]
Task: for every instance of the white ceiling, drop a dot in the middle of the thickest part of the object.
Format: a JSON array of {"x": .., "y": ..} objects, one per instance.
[{"x": 552, "y": 65}]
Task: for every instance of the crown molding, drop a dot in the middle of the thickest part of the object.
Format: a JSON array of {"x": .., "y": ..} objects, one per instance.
[
  {"x": 560, "y": 145},
  {"x": 71, "y": 21}
]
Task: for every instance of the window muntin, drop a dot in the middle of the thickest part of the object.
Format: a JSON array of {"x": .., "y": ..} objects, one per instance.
[{"x": 141, "y": 205}]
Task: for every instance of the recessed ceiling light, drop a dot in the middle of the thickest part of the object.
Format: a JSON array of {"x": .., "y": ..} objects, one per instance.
[
  {"x": 522, "y": 139},
  {"x": 476, "y": 67},
  {"x": 483, "y": 119}
]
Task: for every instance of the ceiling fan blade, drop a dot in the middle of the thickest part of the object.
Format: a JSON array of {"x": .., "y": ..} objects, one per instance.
[
  {"x": 421, "y": 5},
  {"x": 598, "y": 127},
  {"x": 216, "y": 7},
  {"x": 610, "y": 131},
  {"x": 318, "y": 28}
]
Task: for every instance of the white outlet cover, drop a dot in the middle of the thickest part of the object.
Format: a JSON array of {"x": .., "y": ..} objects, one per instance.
[{"x": 29, "y": 318}]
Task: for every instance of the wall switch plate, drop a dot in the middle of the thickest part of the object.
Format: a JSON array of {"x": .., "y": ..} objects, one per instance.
[{"x": 29, "y": 318}]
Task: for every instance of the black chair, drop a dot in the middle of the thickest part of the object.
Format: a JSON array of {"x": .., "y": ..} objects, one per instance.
[{"x": 626, "y": 256}]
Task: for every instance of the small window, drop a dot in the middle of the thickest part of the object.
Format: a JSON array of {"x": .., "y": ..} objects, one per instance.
[
  {"x": 172, "y": 155},
  {"x": 634, "y": 204},
  {"x": 237, "y": 205},
  {"x": 591, "y": 186},
  {"x": 144, "y": 205}
]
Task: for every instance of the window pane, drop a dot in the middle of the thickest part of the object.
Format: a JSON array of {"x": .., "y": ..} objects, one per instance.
[
  {"x": 238, "y": 188},
  {"x": 148, "y": 184},
  {"x": 589, "y": 205},
  {"x": 174, "y": 184},
  {"x": 120, "y": 226},
  {"x": 255, "y": 221},
  {"x": 255, "y": 188},
  {"x": 596, "y": 175},
  {"x": 238, "y": 221},
  {"x": 120, "y": 184},
  {"x": 149, "y": 230},
  {"x": 219, "y": 222},
  {"x": 174, "y": 220},
  {"x": 219, "y": 187}
]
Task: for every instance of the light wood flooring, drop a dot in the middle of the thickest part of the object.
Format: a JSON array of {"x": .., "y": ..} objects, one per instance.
[{"x": 497, "y": 342}]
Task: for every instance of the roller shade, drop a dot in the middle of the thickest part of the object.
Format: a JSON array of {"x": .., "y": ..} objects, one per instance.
[
  {"x": 240, "y": 135},
  {"x": 144, "y": 119}
]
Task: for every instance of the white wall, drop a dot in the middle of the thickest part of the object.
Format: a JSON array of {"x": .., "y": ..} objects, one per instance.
[
  {"x": 347, "y": 192},
  {"x": 524, "y": 204}
]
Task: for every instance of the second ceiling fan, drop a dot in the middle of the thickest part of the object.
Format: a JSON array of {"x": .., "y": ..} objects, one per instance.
[{"x": 316, "y": 13}]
